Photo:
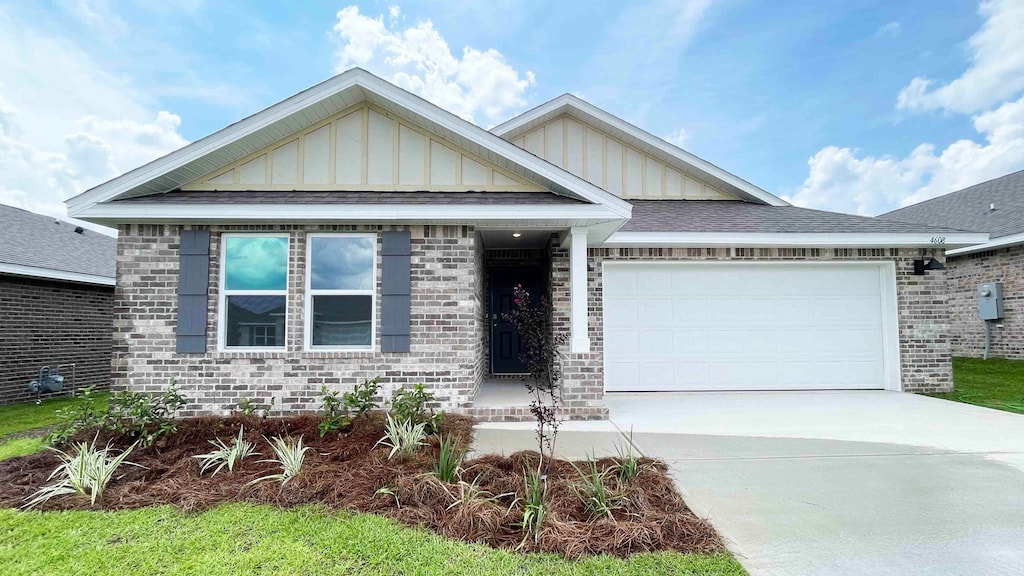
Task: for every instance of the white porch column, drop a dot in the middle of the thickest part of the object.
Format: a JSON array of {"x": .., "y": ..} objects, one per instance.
[{"x": 578, "y": 290}]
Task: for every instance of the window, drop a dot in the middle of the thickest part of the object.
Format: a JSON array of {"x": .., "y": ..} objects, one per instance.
[
  {"x": 340, "y": 284},
  {"x": 254, "y": 291}
]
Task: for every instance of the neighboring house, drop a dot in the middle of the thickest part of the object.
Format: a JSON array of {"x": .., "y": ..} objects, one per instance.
[
  {"x": 995, "y": 207},
  {"x": 56, "y": 300},
  {"x": 355, "y": 230}
]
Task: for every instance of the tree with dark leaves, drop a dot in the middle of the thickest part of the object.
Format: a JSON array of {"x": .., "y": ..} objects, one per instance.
[{"x": 539, "y": 353}]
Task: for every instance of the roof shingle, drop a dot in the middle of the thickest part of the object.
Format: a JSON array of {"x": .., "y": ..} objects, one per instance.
[
  {"x": 746, "y": 217},
  {"x": 30, "y": 239},
  {"x": 969, "y": 208}
]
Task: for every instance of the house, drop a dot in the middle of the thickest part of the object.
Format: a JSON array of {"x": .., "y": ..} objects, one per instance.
[
  {"x": 356, "y": 230},
  {"x": 56, "y": 301},
  {"x": 995, "y": 207}
]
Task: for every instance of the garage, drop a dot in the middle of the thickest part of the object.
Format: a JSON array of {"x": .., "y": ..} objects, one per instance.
[{"x": 687, "y": 326}]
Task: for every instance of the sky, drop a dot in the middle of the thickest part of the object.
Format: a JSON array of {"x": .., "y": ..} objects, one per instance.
[{"x": 856, "y": 106}]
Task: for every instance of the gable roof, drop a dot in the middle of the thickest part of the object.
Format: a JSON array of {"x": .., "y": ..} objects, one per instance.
[
  {"x": 310, "y": 106},
  {"x": 42, "y": 246},
  {"x": 567, "y": 104},
  {"x": 970, "y": 208}
]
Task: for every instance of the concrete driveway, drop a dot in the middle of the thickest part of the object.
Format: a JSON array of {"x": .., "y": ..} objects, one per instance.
[
  {"x": 830, "y": 483},
  {"x": 844, "y": 482}
]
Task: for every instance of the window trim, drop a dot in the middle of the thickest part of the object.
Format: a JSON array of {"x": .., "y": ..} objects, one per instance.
[
  {"x": 222, "y": 293},
  {"x": 307, "y": 338}
]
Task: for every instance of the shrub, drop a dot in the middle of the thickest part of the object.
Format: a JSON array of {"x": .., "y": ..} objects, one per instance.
[
  {"x": 534, "y": 506},
  {"x": 334, "y": 417},
  {"x": 87, "y": 414},
  {"x": 449, "y": 459},
  {"x": 87, "y": 472},
  {"x": 248, "y": 406},
  {"x": 539, "y": 353},
  {"x": 144, "y": 417},
  {"x": 360, "y": 400},
  {"x": 411, "y": 405},
  {"x": 225, "y": 455},
  {"x": 288, "y": 456},
  {"x": 591, "y": 490},
  {"x": 402, "y": 436},
  {"x": 627, "y": 464}
]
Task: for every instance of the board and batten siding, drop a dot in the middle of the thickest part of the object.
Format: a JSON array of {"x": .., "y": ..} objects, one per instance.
[
  {"x": 606, "y": 161},
  {"x": 362, "y": 148}
]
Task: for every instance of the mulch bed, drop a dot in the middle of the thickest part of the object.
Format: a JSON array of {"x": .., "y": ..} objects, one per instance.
[{"x": 345, "y": 471}]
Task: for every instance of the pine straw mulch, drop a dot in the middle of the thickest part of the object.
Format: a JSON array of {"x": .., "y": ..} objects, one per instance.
[{"x": 345, "y": 471}]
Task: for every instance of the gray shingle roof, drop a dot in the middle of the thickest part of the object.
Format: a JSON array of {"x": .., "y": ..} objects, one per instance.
[
  {"x": 969, "y": 208},
  {"x": 356, "y": 197},
  {"x": 30, "y": 239},
  {"x": 746, "y": 217}
]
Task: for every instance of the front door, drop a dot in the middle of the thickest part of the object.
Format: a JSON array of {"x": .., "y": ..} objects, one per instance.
[{"x": 504, "y": 351}]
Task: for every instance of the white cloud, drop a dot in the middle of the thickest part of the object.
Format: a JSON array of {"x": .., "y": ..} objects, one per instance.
[
  {"x": 67, "y": 123},
  {"x": 677, "y": 137},
  {"x": 995, "y": 73},
  {"x": 891, "y": 29},
  {"x": 841, "y": 179},
  {"x": 479, "y": 85}
]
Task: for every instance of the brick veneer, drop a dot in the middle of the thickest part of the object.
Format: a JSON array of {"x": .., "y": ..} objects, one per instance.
[
  {"x": 445, "y": 341},
  {"x": 964, "y": 273},
  {"x": 921, "y": 300},
  {"x": 448, "y": 323},
  {"x": 46, "y": 323}
]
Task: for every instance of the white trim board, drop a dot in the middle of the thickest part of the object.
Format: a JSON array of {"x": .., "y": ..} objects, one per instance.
[
  {"x": 887, "y": 278},
  {"x": 588, "y": 113},
  {"x": 51, "y": 274},
  {"x": 1001, "y": 242},
  {"x": 791, "y": 239},
  {"x": 310, "y": 106}
]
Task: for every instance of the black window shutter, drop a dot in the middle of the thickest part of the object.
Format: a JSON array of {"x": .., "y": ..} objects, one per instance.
[
  {"x": 193, "y": 287},
  {"x": 395, "y": 292}
]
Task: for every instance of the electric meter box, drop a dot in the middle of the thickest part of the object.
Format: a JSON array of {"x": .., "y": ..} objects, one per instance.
[{"x": 990, "y": 301}]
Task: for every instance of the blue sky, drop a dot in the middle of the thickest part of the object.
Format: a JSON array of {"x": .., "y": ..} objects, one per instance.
[{"x": 856, "y": 106}]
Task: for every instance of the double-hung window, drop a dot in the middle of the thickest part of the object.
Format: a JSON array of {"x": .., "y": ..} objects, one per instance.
[
  {"x": 340, "y": 288},
  {"x": 254, "y": 291}
]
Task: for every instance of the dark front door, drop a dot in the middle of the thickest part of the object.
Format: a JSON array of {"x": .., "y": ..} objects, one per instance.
[{"x": 504, "y": 336}]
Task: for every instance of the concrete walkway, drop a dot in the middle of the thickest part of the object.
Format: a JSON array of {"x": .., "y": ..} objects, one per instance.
[{"x": 829, "y": 483}]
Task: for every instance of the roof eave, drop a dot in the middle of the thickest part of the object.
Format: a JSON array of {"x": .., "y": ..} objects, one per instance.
[
  {"x": 53, "y": 274},
  {"x": 989, "y": 244}
]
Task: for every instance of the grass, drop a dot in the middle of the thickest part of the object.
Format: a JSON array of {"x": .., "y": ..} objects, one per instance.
[
  {"x": 20, "y": 447},
  {"x": 993, "y": 383},
  {"x": 21, "y": 417},
  {"x": 246, "y": 539}
]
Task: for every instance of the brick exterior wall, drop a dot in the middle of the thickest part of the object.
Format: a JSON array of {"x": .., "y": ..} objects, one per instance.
[
  {"x": 445, "y": 341},
  {"x": 46, "y": 323},
  {"x": 449, "y": 323},
  {"x": 964, "y": 273},
  {"x": 924, "y": 324}
]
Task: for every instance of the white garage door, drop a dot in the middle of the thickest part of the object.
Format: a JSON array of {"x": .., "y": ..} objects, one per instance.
[{"x": 746, "y": 326}]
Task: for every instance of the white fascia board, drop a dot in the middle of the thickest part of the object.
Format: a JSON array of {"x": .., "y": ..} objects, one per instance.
[
  {"x": 588, "y": 109},
  {"x": 1001, "y": 242},
  {"x": 356, "y": 77},
  {"x": 51, "y": 274},
  {"x": 140, "y": 211},
  {"x": 817, "y": 240}
]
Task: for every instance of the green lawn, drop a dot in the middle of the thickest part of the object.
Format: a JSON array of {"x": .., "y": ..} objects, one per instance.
[
  {"x": 242, "y": 539},
  {"x": 993, "y": 383},
  {"x": 21, "y": 417}
]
